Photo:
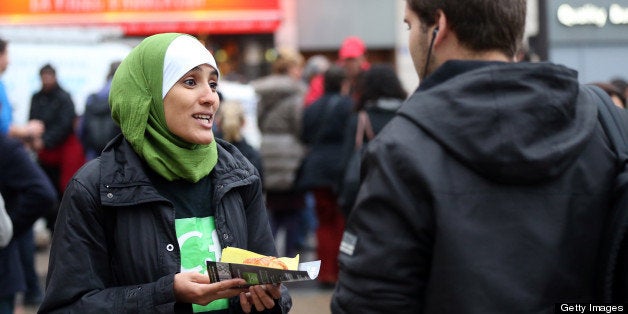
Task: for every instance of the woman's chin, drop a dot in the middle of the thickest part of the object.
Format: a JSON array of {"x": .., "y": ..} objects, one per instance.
[{"x": 201, "y": 140}]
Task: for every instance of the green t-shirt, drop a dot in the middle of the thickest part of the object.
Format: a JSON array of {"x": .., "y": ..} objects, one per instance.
[{"x": 195, "y": 229}]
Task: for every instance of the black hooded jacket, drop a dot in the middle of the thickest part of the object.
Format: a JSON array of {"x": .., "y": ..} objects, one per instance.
[{"x": 487, "y": 193}]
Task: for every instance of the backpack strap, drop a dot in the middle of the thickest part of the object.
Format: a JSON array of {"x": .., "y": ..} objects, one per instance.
[
  {"x": 614, "y": 248},
  {"x": 364, "y": 128}
]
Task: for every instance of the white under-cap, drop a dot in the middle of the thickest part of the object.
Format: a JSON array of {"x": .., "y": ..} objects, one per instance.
[{"x": 184, "y": 53}]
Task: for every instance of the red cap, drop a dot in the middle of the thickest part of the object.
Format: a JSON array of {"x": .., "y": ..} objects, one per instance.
[{"x": 352, "y": 47}]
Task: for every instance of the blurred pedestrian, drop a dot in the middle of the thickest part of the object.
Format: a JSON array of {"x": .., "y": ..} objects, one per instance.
[
  {"x": 352, "y": 58},
  {"x": 26, "y": 133},
  {"x": 616, "y": 94},
  {"x": 279, "y": 112},
  {"x": 313, "y": 72},
  {"x": 230, "y": 119},
  {"x": 483, "y": 192},
  {"x": 621, "y": 84},
  {"x": 96, "y": 127},
  {"x": 27, "y": 195},
  {"x": 380, "y": 94},
  {"x": 6, "y": 226},
  {"x": 59, "y": 151},
  {"x": 137, "y": 224},
  {"x": 314, "y": 65},
  {"x": 6, "y": 111},
  {"x": 324, "y": 123}
]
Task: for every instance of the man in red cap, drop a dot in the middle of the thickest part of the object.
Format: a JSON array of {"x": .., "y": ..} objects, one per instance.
[{"x": 352, "y": 57}]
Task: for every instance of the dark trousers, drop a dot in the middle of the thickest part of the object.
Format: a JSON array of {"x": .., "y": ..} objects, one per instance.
[
  {"x": 285, "y": 213},
  {"x": 291, "y": 223},
  {"x": 26, "y": 247},
  {"x": 7, "y": 305},
  {"x": 54, "y": 175}
]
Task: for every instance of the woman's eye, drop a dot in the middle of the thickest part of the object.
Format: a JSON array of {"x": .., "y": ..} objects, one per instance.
[
  {"x": 213, "y": 85},
  {"x": 189, "y": 82}
]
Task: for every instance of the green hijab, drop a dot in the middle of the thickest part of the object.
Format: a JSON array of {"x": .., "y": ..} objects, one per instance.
[{"x": 137, "y": 106}]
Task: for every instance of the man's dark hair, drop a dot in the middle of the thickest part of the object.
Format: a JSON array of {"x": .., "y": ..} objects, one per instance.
[
  {"x": 612, "y": 90},
  {"x": 480, "y": 25},
  {"x": 334, "y": 76},
  {"x": 620, "y": 83},
  {"x": 3, "y": 46},
  {"x": 380, "y": 81},
  {"x": 47, "y": 69}
]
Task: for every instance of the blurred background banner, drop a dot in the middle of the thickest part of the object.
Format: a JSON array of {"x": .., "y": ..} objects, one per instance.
[
  {"x": 586, "y": 35},
  {"x": 148, "y": 17}
]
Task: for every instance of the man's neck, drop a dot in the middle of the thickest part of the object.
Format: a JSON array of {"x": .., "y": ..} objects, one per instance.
[
  {"x": 492, "y": 55},
  {"x": 452, "y": 49}
]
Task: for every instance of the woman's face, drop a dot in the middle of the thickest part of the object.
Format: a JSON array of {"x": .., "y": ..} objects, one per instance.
[{"x": 191, "y": 103}]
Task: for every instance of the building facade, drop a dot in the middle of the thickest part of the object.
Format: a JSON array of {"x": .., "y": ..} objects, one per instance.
[{"x": 590, "y": 36}]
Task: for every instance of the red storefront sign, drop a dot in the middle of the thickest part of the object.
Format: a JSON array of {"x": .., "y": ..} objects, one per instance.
[{"x": 144, "y": 17}]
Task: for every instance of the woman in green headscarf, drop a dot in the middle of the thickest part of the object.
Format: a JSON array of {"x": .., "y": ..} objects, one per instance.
[{"x": 136, "y": 225}]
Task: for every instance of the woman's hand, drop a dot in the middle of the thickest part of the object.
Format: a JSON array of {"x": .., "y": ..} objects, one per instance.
[
  {"x": 193, "y": 287},
  {"x": 261, "y": 297}
]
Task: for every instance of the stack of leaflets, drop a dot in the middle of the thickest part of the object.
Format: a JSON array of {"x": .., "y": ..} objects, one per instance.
[{"x": 231, "y": 266}]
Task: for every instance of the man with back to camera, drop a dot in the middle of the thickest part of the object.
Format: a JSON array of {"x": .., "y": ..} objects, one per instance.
[{"x": 488, "y": 192}]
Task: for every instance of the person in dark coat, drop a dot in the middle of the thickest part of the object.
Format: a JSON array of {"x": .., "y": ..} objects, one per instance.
[
  {"x": 137, "y": 225},
  {"x": 96, "y": 128},
  {"x": 488, "y": 192},
  {"x": 380, "y": 94},
  {"x": 324, "y": 122},
  {"x": 59, "y": 151},
  {"x": 27, "y": 194},
  {"x": 615, "y": 93}
]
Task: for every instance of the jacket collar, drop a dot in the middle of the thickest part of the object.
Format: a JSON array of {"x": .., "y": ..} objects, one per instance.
[
  {"x": 124, "y": 180},
  {"x": 452, "y": 68}
]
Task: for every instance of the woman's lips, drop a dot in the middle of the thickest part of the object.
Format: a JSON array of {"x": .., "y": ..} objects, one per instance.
[{"x": 205, "y": 119}]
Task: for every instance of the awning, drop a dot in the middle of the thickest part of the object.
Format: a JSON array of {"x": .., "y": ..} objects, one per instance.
[{"x": 145, "y": 17}]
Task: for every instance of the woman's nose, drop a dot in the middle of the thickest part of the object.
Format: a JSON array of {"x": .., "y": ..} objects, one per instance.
[{"x": 210, "y": 96}]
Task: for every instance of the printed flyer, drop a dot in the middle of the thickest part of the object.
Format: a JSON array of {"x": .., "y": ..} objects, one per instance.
[{"x": 257, "y": 275}]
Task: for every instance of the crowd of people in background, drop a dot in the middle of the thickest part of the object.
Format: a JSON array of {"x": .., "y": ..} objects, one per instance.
[
  {"x": 302, "y": 110},
  {"x": 311, "y": 114}
]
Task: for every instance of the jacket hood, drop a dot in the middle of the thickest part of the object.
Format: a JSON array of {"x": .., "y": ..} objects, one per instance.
[{"x": 510, "y": 122}]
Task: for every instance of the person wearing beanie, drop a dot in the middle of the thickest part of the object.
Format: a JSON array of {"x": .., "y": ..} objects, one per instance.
[{"x": 136, "y": 225}]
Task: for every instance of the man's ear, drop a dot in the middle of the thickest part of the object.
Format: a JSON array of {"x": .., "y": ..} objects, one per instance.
[{"x": 440, "y": 26}]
